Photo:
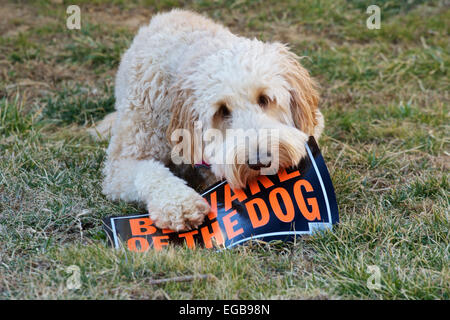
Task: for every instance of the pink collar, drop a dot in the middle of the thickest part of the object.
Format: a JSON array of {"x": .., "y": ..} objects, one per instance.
[{"x": 202, "y": 165}]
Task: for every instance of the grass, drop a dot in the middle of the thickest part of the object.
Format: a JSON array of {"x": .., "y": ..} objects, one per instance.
[{"x": 385, "y": 100}]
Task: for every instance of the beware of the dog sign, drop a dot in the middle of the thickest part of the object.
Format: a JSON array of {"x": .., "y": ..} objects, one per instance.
[{"x": 294, "y": 202}]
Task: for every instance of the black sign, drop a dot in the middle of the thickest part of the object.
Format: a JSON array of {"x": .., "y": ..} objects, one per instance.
[{"x": 292, "y": 203}]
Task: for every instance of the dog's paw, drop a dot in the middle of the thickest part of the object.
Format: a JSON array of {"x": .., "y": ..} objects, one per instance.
[{"x": 184, "y": 211}]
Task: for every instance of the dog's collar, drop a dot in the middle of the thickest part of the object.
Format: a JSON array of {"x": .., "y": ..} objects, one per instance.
[{"x": 202, "y": 165}]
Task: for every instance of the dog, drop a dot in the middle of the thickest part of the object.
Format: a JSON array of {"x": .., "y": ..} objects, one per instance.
[{"x": 184, "y": 69}]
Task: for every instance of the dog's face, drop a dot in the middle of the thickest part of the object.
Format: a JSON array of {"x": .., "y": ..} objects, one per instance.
[{"x": 256, "y": 106}]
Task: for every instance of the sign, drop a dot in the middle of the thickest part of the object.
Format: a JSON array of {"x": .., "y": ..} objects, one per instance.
[{"x": 294, "y": 202}]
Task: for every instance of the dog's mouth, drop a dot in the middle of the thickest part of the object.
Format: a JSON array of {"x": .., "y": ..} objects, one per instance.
[
  {"x": 239, "y": 161},
  {"x": 258, "y": 166}
]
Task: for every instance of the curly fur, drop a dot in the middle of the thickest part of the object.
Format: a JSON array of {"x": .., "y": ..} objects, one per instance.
[{"x": 180, "y": 69}]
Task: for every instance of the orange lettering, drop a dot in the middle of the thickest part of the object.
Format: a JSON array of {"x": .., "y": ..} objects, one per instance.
[
  {"x": 254, "y": 186},
  {"x": 141, "y": 226},
  {"x": 255, "y": 220},
  {"x": 217, "y": 234},
  {"x": 228, "y": 198},
  {"x": 290, "y": 212},
  {"x": 314, "y": 213},
  {"x": 132, "y": 244},
  {"x": 157, "y": 242},
  {"x": 189, "y": 237},
  {"x": 283, "y": 175},
  {"x": 213, "y": 212},
  {"x": 229, "y": 226}
]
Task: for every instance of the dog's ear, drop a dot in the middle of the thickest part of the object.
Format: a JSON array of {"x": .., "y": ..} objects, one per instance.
[
  {"x": 183, "y": 117},
  {"x": 304, "y": 95}
]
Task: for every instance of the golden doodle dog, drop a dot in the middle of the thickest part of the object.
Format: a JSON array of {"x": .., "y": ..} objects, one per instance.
[{"x": 184, "y": 73}]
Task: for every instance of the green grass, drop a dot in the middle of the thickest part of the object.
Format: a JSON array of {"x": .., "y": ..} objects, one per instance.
[
  {"x": 79, "y": 106},
  {"x": 385, "y": 100}
]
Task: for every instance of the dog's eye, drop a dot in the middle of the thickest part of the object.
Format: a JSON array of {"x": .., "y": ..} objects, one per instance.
[
  {"x": 263, "y": 100},
  {"x": 223, "y": 111}
]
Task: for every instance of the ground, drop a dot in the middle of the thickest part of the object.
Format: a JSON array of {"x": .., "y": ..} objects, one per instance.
[{"x": 385, "y": 98}]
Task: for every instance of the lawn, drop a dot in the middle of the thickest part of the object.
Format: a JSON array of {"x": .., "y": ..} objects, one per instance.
[{"x": 385, "y": 98}]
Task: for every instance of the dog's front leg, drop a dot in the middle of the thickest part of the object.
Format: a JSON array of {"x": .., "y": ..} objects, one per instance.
[{"x": 170, "y": 202}]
